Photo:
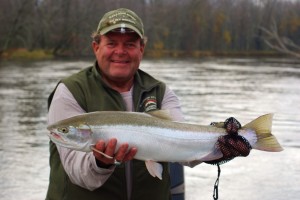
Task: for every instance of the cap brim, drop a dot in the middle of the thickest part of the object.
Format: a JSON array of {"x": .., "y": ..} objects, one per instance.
[{"x": 115, "y": 26}]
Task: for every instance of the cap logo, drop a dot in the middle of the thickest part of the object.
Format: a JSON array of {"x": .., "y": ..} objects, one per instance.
[
  {"x": 115, "y": 18},
  {"x": 123, "y": 28}
]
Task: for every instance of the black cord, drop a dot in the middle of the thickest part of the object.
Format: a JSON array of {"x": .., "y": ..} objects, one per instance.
[{"x": 216, "y": 189}]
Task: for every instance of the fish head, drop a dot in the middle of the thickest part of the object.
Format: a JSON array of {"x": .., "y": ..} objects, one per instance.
[{"x": 76, "y": 136}]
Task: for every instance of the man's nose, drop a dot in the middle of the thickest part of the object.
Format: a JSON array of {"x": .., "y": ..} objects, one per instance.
[{"x": 120, "y": 49}]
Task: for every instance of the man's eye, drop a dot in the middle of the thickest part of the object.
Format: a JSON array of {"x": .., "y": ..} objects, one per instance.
[
  {"x": 130, "y": 45},
  {"x": 111, "y": 44}
]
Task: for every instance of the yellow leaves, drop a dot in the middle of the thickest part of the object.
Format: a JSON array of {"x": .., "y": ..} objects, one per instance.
[
  {"x": 158, "y": 45},
  {"x": 227, "y": 37},
  {"x": 219, "y": 23},
  {"x": 294, "y": 24}
]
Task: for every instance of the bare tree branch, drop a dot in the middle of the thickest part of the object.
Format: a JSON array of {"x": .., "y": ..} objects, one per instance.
[{"x": 280, "y": 43}]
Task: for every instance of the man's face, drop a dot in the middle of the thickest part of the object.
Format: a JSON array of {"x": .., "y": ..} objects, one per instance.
[{"x": 118, "y": 56}]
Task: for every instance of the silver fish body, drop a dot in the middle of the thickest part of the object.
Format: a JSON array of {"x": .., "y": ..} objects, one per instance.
[{"x": 157, "y": 139}]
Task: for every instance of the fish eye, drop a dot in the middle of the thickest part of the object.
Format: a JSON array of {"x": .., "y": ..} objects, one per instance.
[{"x": 63, "y": 130}]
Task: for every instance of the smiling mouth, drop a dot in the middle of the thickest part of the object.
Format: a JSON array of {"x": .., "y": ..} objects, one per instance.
[{"x": 120, "y": 61}]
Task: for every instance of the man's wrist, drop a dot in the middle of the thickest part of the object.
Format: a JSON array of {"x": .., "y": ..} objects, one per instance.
[{"x": 103, "y": 165}]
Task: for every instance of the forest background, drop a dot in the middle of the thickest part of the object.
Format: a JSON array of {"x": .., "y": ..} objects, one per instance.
[{"x": 187, "y": 28}]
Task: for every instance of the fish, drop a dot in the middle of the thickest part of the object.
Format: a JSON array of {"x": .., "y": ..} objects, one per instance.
[{"x": 156, "y": 136}]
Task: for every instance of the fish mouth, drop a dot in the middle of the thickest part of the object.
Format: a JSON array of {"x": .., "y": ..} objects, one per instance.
[
  {"x": 61, "y": 141},
  {"x": 56, "y": 138}
]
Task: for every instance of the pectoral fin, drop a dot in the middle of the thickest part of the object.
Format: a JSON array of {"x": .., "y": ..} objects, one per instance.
[
  {"x": 103, "y": 154},
  {"x": 154, "y": 168}
]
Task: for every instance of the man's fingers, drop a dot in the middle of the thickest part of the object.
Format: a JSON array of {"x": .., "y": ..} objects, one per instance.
[
  {"x": 130, "y": 155},
  {"x": 121, "y": 152},
  {"x": 107, "y": 150},
  {"x": 111, "y": 147},
  {"x": 100, "y": 145}
]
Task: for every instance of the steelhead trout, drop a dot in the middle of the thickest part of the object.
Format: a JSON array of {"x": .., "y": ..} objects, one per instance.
[{"x": 157, "y": 138}]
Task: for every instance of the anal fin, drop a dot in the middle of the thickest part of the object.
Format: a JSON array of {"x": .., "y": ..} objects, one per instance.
[{"x": 154, "y": 168}]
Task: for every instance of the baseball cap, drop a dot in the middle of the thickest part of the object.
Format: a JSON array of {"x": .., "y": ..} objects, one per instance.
[{"x": 122, "y": 20}]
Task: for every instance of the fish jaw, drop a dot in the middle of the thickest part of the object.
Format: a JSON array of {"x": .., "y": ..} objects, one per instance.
[{"x": 78, "y": 138}]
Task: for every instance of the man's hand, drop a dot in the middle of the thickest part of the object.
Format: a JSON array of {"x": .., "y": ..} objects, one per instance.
[{"x": 122, "y": 154}]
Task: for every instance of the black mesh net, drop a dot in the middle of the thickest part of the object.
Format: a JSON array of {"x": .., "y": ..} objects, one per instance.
[
  {"x": 232, "y": 125},
  {"x": 231, "y": 145}
]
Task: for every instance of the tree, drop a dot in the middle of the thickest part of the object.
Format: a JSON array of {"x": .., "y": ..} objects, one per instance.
[
  {"x": 17, "y": 28},
  {"x": 280, "y": 43}
]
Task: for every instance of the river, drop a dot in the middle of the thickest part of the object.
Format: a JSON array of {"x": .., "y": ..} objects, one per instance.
[{"x": 209, "y": 90}]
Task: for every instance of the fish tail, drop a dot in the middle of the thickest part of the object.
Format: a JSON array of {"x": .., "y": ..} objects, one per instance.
[{"x": 265, "y": 140}]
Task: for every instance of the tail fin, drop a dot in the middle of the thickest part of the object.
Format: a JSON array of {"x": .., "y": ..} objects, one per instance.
[{"x": 265, "y": 140}]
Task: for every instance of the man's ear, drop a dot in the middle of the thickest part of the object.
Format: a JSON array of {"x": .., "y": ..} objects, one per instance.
[
  {"x": 143, "y": 44},
  {"x": 142, "y": 48},
  {"x": 95, "y": 46}
]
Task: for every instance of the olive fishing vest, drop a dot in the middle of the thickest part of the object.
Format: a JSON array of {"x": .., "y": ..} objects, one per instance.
[{"x": 92, "y": 94}]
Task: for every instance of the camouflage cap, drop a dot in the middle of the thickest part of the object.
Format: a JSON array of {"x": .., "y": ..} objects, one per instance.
[{"x": 122, "y": 20}]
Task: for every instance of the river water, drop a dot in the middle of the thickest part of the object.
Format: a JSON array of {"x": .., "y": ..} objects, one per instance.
[{"x": 209, "y": 90}]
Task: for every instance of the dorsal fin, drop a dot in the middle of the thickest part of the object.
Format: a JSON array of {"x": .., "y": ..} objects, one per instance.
[{"x": 161, "y": 114}]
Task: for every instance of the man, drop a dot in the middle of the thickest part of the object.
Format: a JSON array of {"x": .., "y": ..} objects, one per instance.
[{"x": 115, "y": 82}]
